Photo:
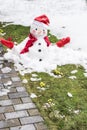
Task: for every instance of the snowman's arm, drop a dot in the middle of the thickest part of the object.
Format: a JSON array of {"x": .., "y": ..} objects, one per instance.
[
  {"x": 26, "y": 48},
  {"x": 7, "y": 43},
  {"x": 63, "y": 42}
]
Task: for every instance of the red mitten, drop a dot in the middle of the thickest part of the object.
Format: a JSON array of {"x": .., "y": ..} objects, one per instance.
[
  {"x": 63, "y": 41},
  {"x": 7, "y": 43}
]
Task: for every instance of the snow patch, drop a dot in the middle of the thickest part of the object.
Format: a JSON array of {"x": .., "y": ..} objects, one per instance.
[
  {"x": 6, "y": 70},
  {"x": 72, "y": 77},
  {"x": 69, "y": 94},
  {"x": 33, "y": 95},
  {"x": 25, "y": 81},
  {"x": 9, "y": 83},
  {"x": 4, "y": 92},
  {"x": 74, "y": 71}
]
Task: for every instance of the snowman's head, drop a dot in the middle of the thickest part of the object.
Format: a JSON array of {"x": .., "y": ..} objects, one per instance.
[
  {"x": 38, "y": 31},
  {"x": 39, "y": 26}
]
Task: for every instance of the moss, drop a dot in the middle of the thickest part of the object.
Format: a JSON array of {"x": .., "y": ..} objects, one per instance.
[
  {"x": 52, "y": 38},
  {"x": 16, "y": 32}
]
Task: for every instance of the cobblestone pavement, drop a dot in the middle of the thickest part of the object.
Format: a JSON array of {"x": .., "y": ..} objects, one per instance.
[{"x": 17, "y": 111}]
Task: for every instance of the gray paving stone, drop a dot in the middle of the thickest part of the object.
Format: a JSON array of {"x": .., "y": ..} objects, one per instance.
[
  {"x": 26, "y": 99},
  {"x": 5, "y": 129},
  {"x": 10, "y": 102},
  {"x": 11, "y": 74},
  {"x": 2, "y": 117},
  {"x": 0, "y": 70},
  {"x": 31, "y": 119},
  {"x": 20, "y": 89},
  {"x": 1, "y": 62},
  {"x": 41, "y": 126},
  {"x": 4, "y": 97},
  {"x": 5, "y": 102},
  {"x": 18, "y": 94},
  {"x": 6, "y": 109},
  {"x": 17, "y": 114},
  {"x": 24, "y": 106},
  {"x": 12, "y": 89},
  {"x": 5, "y": 80},
  {"x": 1, "y": 85},
  {"x": 17, "y": 84},
  {"x": 5, "y": 76},
  {"x": 1, "y": 58},
  {"x": 24, "y": 127},
  {"x": 15, "y": 79},
  {"x": 16, "y": 101},
  {"x": 9, "y": 123},
  {"x": 33, "y": 112}
]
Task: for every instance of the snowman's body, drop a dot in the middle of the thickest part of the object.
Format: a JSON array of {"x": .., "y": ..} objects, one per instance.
[
  {"x": 39, "y": 50},
  {"x": 38, "y": 56}
]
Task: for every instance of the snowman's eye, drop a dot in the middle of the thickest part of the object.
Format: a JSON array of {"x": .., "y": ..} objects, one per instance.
[
  {"x": 43, "y": 30},
  {"x": 35, "y": 28}
]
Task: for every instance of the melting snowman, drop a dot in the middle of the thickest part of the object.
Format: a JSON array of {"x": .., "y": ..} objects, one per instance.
[{"x": 36, "y": 52}]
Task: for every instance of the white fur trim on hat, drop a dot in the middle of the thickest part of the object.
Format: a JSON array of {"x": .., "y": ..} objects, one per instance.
[{"x": 40, "y": 24}]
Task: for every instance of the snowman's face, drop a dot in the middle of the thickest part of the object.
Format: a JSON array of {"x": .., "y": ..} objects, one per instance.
[{"x": 38, "y": 31}]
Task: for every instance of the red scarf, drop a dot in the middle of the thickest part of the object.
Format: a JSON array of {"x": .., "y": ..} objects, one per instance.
[{"x": 31, "y": 41}]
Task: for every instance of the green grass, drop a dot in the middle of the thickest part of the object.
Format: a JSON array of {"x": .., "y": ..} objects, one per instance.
[
  {"x": 15, "y": 32},
  {"x": 60, "y": 115},
  {"x": 56, "y": 107}
]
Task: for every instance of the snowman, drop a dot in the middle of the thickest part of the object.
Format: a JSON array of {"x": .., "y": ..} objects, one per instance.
[
  {"x": 38, "y": 43},
  {"x": 38, "y": 48},
  {"x": 36, "y": 51}
]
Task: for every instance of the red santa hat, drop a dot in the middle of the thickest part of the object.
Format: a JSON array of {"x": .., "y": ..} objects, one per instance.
[{"x": 42, "y": 21}]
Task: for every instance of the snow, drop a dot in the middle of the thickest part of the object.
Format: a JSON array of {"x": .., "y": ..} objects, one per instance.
[
  {"x": 33, "y": 95},
  {"x": 74, "y": 71},
  {"x": 72, "y": 77},
  {"x": 6, "y": 70},
  {"x": 4, "y": 92},
  {"x": 69, "y": 94},
  {"x": 9, "y": 83},
  {"x": 67, "y": 18},
  {"x": 85, "y": 74},
  {"x": 76, "y": 111},
  {"x": 35, "y": 79},
  {"x": 25, "y": 81}
]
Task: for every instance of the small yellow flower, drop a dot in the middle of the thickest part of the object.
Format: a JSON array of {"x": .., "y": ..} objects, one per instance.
[
  {"x": 1, "y": 31},
  {"x": 57, "y": 72},
  {"x": 42, "y": 84},
  {"x": 50, "y": 100}
]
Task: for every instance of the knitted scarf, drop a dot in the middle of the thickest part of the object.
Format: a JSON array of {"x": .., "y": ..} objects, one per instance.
[{"x": 31, "y": 41}]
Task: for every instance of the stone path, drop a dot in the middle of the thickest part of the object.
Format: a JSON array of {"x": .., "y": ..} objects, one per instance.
[{"x": 17, "y": 111}]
